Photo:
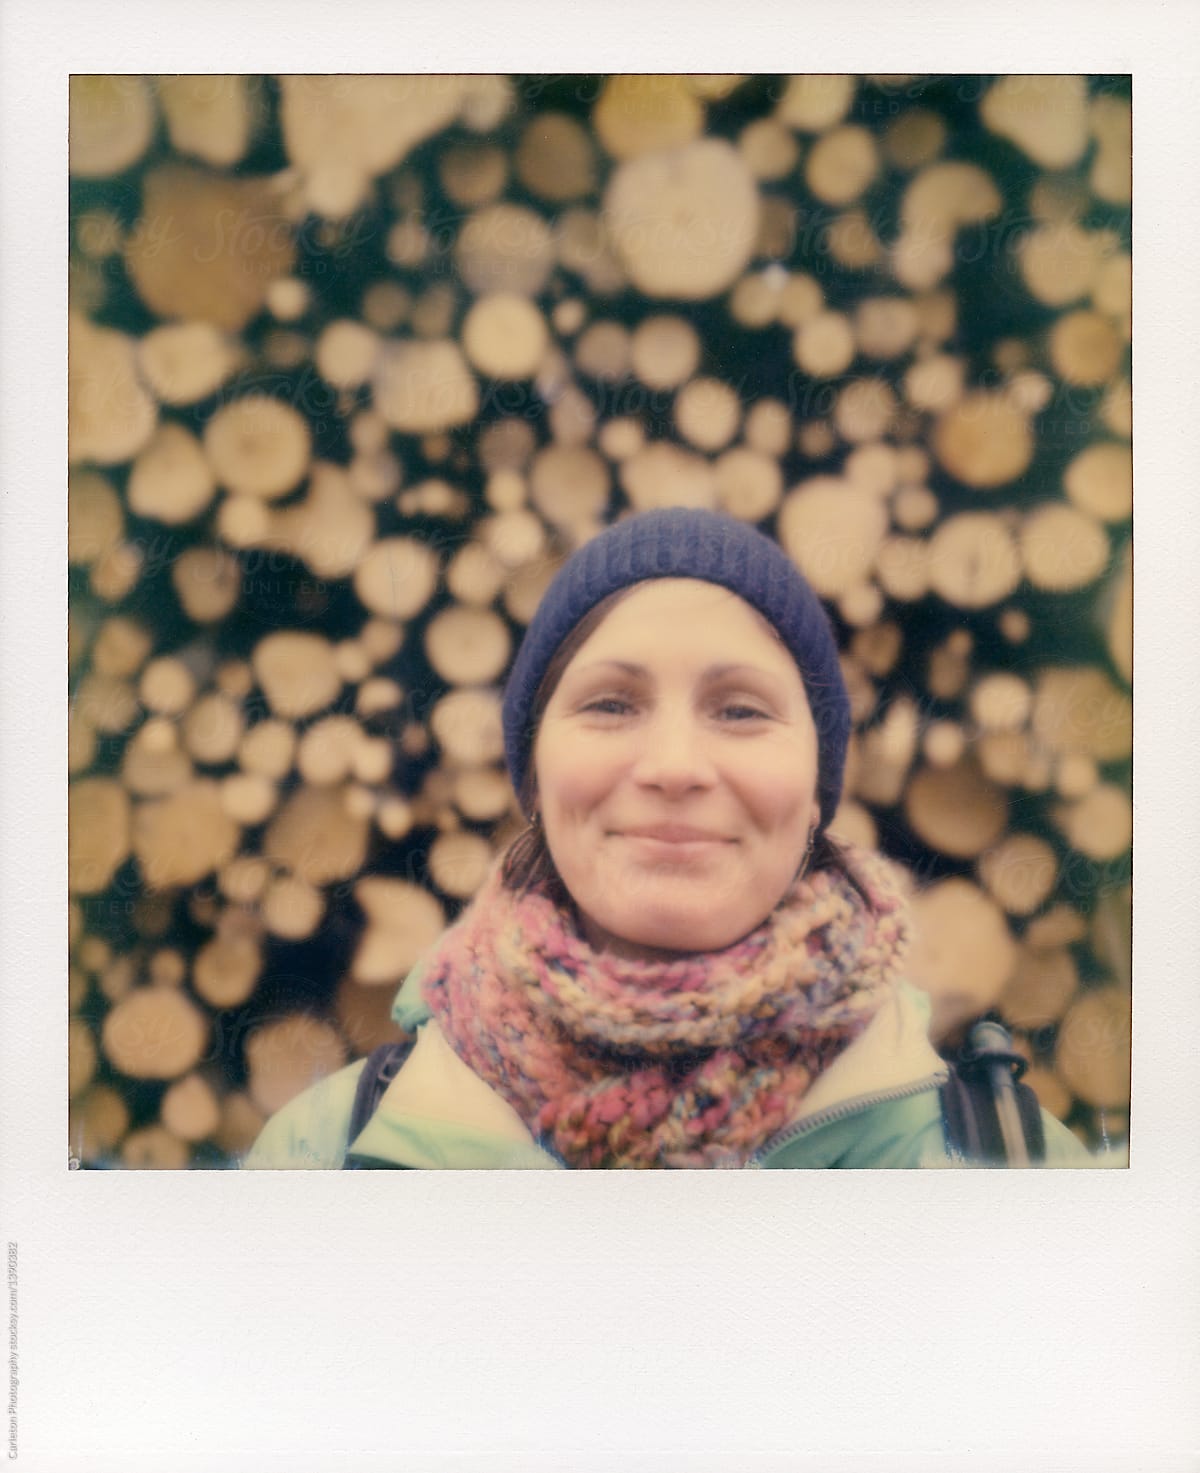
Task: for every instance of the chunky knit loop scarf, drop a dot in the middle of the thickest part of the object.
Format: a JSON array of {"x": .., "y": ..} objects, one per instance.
[{"x": 695, "y": 1061}]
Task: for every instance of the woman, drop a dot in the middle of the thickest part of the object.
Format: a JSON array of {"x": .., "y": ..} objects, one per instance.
[{"x": 674, "y": 965}]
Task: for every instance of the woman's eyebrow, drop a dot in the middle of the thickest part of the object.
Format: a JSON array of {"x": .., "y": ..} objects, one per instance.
[{"x": 710, "y": 672}]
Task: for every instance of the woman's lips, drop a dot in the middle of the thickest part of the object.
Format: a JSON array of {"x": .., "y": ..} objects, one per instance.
[{"x": 673, "y": 838}]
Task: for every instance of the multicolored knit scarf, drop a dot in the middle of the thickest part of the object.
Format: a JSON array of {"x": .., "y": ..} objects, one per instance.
[{"x": 695, "y": 1061}]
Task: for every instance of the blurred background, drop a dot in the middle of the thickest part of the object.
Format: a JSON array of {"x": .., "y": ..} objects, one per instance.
[{"x": 356, "y": 361}]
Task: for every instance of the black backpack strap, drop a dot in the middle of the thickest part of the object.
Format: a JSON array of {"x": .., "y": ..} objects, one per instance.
[
  {"x": 970, "y": 1109},
  {"x": 381, "y": 1067}
]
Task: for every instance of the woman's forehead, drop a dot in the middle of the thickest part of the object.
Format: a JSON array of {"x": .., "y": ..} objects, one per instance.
[{"x": 668, "y": 611}]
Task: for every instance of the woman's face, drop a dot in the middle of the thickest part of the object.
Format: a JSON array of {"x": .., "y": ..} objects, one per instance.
[{"x": 676, "y": 767}]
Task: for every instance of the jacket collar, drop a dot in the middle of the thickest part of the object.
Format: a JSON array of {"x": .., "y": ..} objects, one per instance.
[{"x": 438, "y": 1112}]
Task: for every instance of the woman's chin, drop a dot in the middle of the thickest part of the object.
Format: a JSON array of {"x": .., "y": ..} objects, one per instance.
[{"x": 661, "y": 933}]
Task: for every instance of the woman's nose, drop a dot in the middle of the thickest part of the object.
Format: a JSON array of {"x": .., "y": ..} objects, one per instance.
[{"x": 674, "y": 755}]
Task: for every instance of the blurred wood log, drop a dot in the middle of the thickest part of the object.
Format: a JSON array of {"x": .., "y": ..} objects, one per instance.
[
  {"x": 1111, "y": 123},
  {"x": 768, "y": 148},
  {"x": 817, "y": 101},
  {"x": 243, "y": 879},
  {"x": 186, "y": 261},
  {"x": 852, "y": 242},
  {"x": 1062, "y": 548},
  {"x": 603, "y": 351},
  {"x": 153, "y": 764},
  {"x": 955, "y": 810},
  {"x": 225, "y": 971},
  {"x": 258, "y": 446},
  {"x": 864, "y": 410},
  {"x": 239, "y": 1125},
  {"x": 111, "y": 124},
  {"x": 524, "y": 589},
  {"x": 292, "y": 908},
  {"x": 1085, "y": 348},
  {"x": 268, "y": 748},
  {"x": 749, "y": 483},
  {"x": 184, "y": 362},
  {"x": 96, "y": 1122},
  {"x": 212, "y": 729},
  {"x": 569, "y": 484},
  {"x": 555, "y": 158},
  {"x": 916, "y": 137},
  {"x": 314, "y": 836},
  {"x": 167, "y": 686},
  {"x": 347, "y": 353},
  {"x": 296, "y": 672},
  {"x": 154, "y": 1033},
  {"x": 208, "y": 583},
  {"x": 208, "y": 117},
  {"x": 99, "y": 822},
  {"x": 95, "y": 520},
  {"x": 1052, "y": 1093},
  {"x": 515, "y": 537},
  {"x": 466, "y": 725},
  {"x": 1059, "y": 262},
  {"x": 640, "y": 113},
  {"x": 660, "y": 204},
  {"x": 1100, "y": 824},
  {"x": 326, "y": 750},
  {"x": 1099, "y": 481},
  {"x": 81, "y": 1056},
  {"x": 886, "y": 753},
  {"x": 482, "y": 794},
  {"x": 180, "y": 838},
  {"x": 1001, "y": 701},
  {"x": 342, "y": 131},
  {"x": 754, "y": 301},
  {"x": 943, "y": 744},
  {"x": 288, "y": 1055},
  {"x": 458, "y": 863},
  {"x": 841, "y": 164},
  {"x": 983, "y": 440},
  {"x": 665, "y": 474},
  {"x": 1045, "y": 116},
  {"x": 664, "y": 351},
  {"x": 1041, "y": 989},
  {"x": 467, "y": 646},
  {"x": 824, "y": 344},
  {"x": 572, "y": 417},
  {"x": 110, "y": 416},
  {"x": 1092, "y": 1054},
  {"x": 707, "y": 413},
  {"x": 190, "y": 1110},
  {"x": 963, "y": 955},
  {"x": 105, "y": 703},
  {"x": 363, "y": 1016},
  {"x": 505, "y": 248},
  {"x": 154, "y": 1148},
  {"x": 973, "y": 560},
  {"x": 833, "y": 531},
  {"x": 402, "y": 920},
  {"x": 1077, "y": 709},
  {"x": 504, "y": 336},
  {"x": 1020, "y": 872},
  {"x": 423, "y": 387}
]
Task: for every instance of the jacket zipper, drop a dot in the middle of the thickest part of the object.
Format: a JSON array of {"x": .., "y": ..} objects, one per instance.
[{"x": 840, "y": 1112}]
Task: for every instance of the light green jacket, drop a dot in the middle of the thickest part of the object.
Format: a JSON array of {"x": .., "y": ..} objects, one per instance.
[{"x": 877, "y": 1105}]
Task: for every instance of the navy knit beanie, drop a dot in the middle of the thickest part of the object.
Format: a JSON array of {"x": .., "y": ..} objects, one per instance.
[{"x": 679, "y": 542}]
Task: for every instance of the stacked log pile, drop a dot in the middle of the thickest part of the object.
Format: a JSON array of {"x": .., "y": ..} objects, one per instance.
[{"x": 355, "y": 362}]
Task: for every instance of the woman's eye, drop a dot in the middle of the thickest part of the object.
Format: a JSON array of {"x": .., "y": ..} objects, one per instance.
[
  {"x": 737, "y": 711},
  {"x": 608, "y": 706}
]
